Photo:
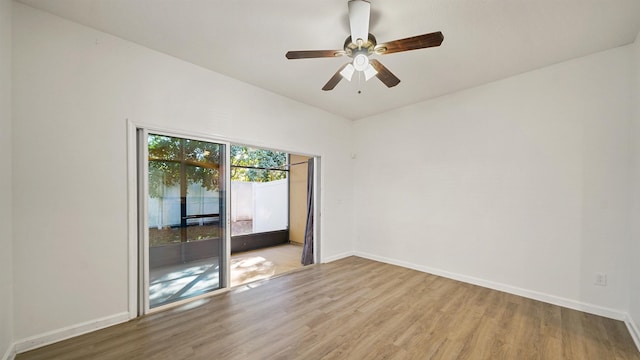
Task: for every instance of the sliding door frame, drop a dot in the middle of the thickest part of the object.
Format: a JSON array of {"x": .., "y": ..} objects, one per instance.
[
  {"x": 138, "y": 303},
  {"x": 139, "y": 254}
]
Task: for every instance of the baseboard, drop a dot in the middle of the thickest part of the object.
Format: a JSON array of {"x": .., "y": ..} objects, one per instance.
[
  {"x": 54, "y": 336},
  {"x": 535, "y": 295},
  {"x": 337, "y": 257},
  {"x": 10, "y": 354},
  {"x": 633, "y": 330}
]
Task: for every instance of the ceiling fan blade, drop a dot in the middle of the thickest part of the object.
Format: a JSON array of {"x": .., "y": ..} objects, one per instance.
[
  {"x": 310, "y": 54},
  {"x": 359, "y": 11},
  {"x": 335, "y": 79},
  {"x": 384, "y": 74},
  {"x": 412, "y": 43}
]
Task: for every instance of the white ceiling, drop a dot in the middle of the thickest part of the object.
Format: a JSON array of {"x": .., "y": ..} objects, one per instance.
[{"x": 484, "y": 40}]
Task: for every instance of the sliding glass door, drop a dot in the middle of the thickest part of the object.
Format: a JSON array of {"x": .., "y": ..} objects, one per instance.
[{"x": 184, "y": 193}]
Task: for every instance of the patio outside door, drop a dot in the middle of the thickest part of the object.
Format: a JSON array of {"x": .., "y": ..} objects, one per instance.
[{"x": 183, "y": 249}]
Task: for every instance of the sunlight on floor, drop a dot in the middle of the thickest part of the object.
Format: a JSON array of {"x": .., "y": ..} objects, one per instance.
[
  {"x": 168, "y": 284},
  {"x": 264, "y": 263},
  {"x": 249, "y": 269},
  {"x": 177, "y": 282}
]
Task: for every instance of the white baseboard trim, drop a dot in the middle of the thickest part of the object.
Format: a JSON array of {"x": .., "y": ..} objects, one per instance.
[
  {"x": 10, "y": 354},
  {"x": 51, "y": 337},
  {"x": 633, "y": 330},
  {"x": 535, "y": 295},
  {"x": 337, "y": 257}
]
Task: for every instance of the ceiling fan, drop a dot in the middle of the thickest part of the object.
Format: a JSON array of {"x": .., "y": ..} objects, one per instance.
[{"x": 361, "y": 45}]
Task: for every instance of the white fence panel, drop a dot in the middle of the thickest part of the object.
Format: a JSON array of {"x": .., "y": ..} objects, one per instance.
[
  {"x": 270, "y": 206},
  {"x": 241, "y": 201},
  {"x": 264, "y": 203},
  {"x": 165, "y": 211}
]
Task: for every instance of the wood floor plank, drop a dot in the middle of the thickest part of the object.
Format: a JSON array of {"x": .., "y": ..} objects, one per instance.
[{"x": 355, "y": 309}]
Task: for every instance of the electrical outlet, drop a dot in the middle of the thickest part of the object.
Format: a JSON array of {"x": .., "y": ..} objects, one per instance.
[{"x": 601, "y": 279}]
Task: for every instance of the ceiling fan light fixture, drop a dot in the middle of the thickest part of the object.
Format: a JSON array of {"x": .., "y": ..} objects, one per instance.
[
  {"x": 347, "y": 72},
  {"x": 361, "y": 62},
  {"x": 369, "y": 72}
]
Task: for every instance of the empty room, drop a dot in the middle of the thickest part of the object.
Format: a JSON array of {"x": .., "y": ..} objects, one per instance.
[{"x": 453, "y": 179}]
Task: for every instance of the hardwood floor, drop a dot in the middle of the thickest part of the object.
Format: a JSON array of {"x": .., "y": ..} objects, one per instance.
[{"x": 356, "y": 309}]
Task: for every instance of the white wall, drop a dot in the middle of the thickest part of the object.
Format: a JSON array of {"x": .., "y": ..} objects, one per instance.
[
  {"x": 6, "y": 277},
  {"x": 634, "y": 306},
  {"x": 73, "y": 89},
  {"x": 524, "y": 183}
]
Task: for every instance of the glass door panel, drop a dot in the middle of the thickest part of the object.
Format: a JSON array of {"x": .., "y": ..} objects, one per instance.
[{"x": 186, "y": 227}]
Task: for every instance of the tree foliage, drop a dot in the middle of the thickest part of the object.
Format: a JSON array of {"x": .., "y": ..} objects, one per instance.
[
  {"x": 260, "y": 158},
  {"x": 201, "y": 161},
  {"x": 167, "y": 155}
]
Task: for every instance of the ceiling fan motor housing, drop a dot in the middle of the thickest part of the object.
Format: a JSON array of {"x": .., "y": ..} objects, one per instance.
[{"x": 352, "y": 49}]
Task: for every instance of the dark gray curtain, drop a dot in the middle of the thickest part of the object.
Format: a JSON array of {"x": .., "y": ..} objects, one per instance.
[{"x": 307, "y": 249}]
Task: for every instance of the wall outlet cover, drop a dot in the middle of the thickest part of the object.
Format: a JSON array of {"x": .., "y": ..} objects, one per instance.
[{"x": 601, "y": 279}]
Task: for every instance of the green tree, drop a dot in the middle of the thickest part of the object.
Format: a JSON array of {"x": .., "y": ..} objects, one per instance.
[
  {"x": 168, "y": 155},
  {"x": 261, "y": 159},
  {"x": 201, "y": 162}
]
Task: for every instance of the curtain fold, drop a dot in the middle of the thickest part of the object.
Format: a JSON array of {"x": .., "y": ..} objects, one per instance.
[{"x": 307, "y": 249}]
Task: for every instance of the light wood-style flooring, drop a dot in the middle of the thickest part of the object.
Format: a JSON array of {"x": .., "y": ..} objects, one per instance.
[{"x": 356, "y": 309}]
